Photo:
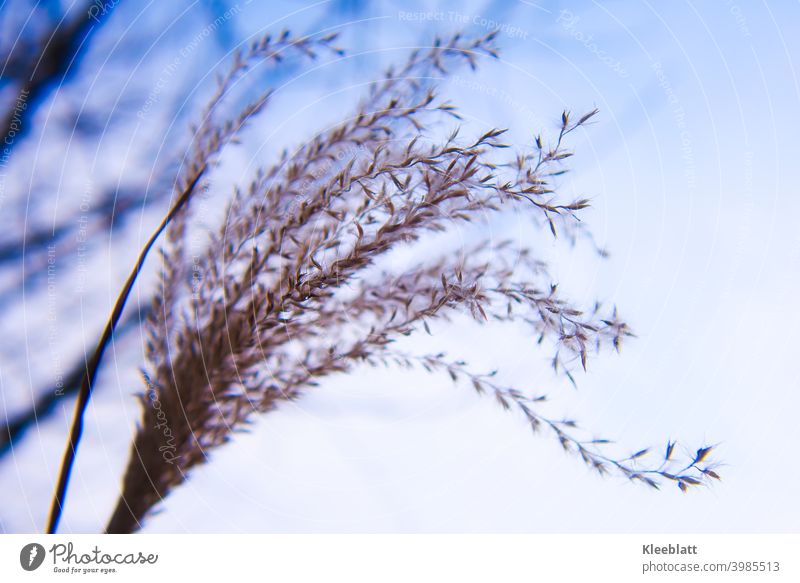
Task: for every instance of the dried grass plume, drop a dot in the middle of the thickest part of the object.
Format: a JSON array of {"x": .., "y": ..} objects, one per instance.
[{"x": 291, "y": 291}]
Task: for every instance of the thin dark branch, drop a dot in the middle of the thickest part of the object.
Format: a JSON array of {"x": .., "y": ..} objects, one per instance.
[{"x": 93, "y": 365}]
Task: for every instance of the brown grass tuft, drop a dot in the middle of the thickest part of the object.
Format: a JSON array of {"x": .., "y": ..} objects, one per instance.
[{"x": 291, "y": 271}]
